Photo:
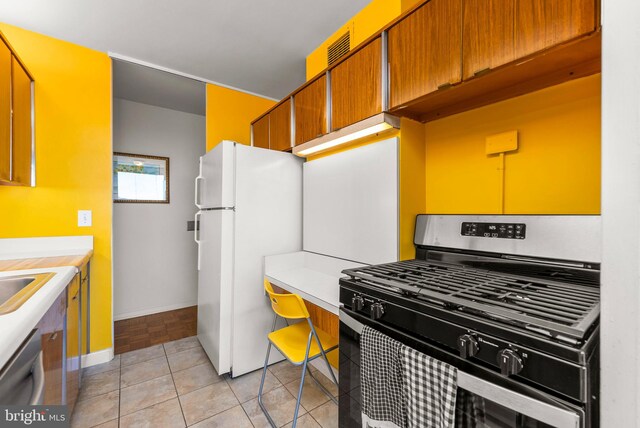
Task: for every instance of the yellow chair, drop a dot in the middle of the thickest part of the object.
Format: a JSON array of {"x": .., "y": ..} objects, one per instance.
[{"x": 299, "y": 343}]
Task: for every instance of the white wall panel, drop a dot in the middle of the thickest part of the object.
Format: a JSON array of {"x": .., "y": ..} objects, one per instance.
[{"x": 351, "y": 204}]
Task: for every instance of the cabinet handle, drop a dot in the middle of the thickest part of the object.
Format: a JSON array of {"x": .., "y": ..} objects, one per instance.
[
  {"x": 54, "y": 336},
  {"x": 75, "y": 297},
  {"x": 482, "y": 71},
  {"x": 445, "y": 86}
]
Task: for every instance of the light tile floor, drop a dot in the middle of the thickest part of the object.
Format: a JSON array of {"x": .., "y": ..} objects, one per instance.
[{"x": 175, "y": 385}]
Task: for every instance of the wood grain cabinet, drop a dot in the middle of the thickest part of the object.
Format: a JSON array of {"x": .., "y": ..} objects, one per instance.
[
  {"x": 5, "y": 113},
  {"x": 280, "y": 127},
  {"x": 310, "y": 105},
  {"x": 73, "y": 342},
  {"x": 16, "y": 128},
  {"x": 540, "y": 24},
  {"x": 356, "y": 86},
  {"x": 487, "y": 35},
  {"x": 261, "y": 132},
  {"x": 51, "y": 330},
  {"x": 425, "y": 51}
]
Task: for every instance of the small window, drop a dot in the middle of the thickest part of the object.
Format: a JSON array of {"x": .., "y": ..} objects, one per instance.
[{"x": 140, "y": 178}]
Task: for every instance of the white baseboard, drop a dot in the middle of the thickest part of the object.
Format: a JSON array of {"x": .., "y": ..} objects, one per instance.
[
  {"x": 97, "y": 357},
  {"x": 150, "y": 311}
]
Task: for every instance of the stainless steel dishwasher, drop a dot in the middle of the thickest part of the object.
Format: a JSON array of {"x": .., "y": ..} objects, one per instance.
[{"x": 22, "y": 378}]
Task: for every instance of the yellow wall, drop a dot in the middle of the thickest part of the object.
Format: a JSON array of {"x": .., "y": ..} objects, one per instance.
[
  {"x": 556, "y": 169},
  {"x": 73, "y": 159},
  {"x": 365, "y": 23},
  {"x": 230, "y": 113}
]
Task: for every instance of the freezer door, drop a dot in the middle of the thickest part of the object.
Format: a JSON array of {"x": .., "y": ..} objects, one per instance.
[
  {"x": 215, "y": 280},
  {"x": 215, "y": 186},
  {"x": 268, "y": 221}
]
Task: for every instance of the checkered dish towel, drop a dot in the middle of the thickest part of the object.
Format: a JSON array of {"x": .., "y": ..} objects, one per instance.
[
  {"x": 430, "y": 388},
  {"x": 381, "y": 380}
]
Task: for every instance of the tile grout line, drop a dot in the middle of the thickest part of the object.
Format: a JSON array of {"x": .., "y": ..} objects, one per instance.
[
  {"x": 238, "y": 399},
  {"x": 184, "y": 418}
]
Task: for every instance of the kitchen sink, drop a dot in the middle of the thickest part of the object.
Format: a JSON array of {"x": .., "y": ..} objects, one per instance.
[{"x": 15, "y": 290}]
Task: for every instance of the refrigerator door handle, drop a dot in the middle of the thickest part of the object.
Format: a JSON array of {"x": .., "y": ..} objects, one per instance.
[
  {"x": 196, "y": 234},
  {"x": 197, "y": 196}
]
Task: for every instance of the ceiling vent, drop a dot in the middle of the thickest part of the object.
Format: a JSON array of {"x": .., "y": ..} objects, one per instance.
[{"x": 339, "y": 48}]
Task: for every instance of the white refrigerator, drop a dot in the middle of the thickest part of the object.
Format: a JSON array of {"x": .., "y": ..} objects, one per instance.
[{"x": 250, "y": 206}]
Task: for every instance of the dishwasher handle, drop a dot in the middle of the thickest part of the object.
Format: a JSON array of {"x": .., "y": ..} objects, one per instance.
[{"x": 37, "y": 394}]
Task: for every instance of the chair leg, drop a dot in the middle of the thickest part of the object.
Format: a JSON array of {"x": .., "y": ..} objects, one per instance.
[
  {"x": 324, "y": 355},
  {"x": 322, "y": 387},
  {"x": 304, "y": 371},
  {"x": 264, "y": 375}
]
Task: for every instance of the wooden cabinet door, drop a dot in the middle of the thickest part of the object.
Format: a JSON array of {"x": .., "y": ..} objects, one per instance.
[
  {"x": 85, "y": 294},
  {"x": 22, "y": 142},
  {"x": 540, "y": 24},
  {"x": 487, "y": 35},
  {"x": 310, "y": 105},
  {"x": 5, "y": 112},
  {"x": 261, "y": 132},
  {"x": 356, "y": 86},
  {"x": 73, "y": 342},
  {"x": 51, "y": 330},
  {"x": 280, "y": 127},
  {"x": 425, "y": 51}
]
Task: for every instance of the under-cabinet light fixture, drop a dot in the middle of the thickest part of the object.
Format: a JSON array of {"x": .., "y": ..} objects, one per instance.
[{"x": 373, "y": 125}]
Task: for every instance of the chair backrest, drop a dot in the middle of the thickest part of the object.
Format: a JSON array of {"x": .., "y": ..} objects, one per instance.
[{"x": 290, "y": 306}]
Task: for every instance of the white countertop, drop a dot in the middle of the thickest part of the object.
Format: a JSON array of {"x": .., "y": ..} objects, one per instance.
[
  {"x": 17, "y": 325},
  {"x": 313, "y": 276}
]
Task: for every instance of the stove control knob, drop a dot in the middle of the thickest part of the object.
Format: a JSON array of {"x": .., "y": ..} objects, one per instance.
[
  {"x": 510, "y": 362},
  {"x": 357, "y": 303},
  {"x": 468, "y": 346},
  {"x": 376, "y": 311}
]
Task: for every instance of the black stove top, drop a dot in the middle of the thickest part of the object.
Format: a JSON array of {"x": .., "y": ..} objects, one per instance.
[{"x": 557, "y": 309}]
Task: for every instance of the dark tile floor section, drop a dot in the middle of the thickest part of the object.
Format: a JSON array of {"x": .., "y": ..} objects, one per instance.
[
  {"x": 155, "y": 329},
  {"x": 175, "y": 385}
]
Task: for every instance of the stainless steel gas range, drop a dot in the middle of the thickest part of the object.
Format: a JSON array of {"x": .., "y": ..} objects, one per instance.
[{"x": 512, "y": 302}]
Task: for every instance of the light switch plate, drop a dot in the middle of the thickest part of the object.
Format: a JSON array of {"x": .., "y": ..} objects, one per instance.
[
  {"x": 84, "y": 218},
  {"x": 502, "y": 143}
]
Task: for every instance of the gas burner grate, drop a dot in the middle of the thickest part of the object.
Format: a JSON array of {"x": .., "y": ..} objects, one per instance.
[{"x": 557, "y": 307}]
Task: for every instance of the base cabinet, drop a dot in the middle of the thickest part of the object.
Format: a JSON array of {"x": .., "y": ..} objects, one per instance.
[
  {"x": 73, "y": 343},
  {"x": 51, "y": 331}
]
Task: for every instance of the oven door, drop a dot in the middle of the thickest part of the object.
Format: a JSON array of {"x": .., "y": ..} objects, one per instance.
[{"x": 481, "y": 401}]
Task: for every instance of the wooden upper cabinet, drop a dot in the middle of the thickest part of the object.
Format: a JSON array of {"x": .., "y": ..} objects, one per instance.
[
  {"x": 356, "y": 86},
  {"x": 261, "y": 132},
  {"x": 487, "y": 35},
  {"x": 425, "y": 51},
  {"x": 22, "y": 141},
  {"x": 540, "y": 24},
  {"x": 280, "y": 127},
  {"x": 310, "y": 106},
  {"x": 5, "y": 113}
]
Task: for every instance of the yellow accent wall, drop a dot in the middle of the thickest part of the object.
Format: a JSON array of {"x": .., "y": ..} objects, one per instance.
[
  {"x": 556, "y": 169},
  {"x": 73, "y": 159},
  {"x": 365, "y": 23},
  {"x": 230, "y": 113}
]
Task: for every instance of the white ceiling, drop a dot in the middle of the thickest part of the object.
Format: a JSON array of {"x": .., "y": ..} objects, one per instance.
[
  {"x": 150, "y": 86},
  {"x": 256, "y": 45}
]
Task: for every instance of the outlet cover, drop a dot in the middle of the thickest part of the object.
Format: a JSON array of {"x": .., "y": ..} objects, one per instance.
[
  {"x": 84, "y": 218},
  {"x": 502, "y": 143}
]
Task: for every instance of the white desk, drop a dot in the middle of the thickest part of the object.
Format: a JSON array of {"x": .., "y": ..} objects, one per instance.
[{"x": 312, "y": 276}]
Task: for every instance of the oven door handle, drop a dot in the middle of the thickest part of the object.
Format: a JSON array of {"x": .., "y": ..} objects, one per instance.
[
  {"x": 351, "y": 322},
  {"x": 541, "y": 411}
]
